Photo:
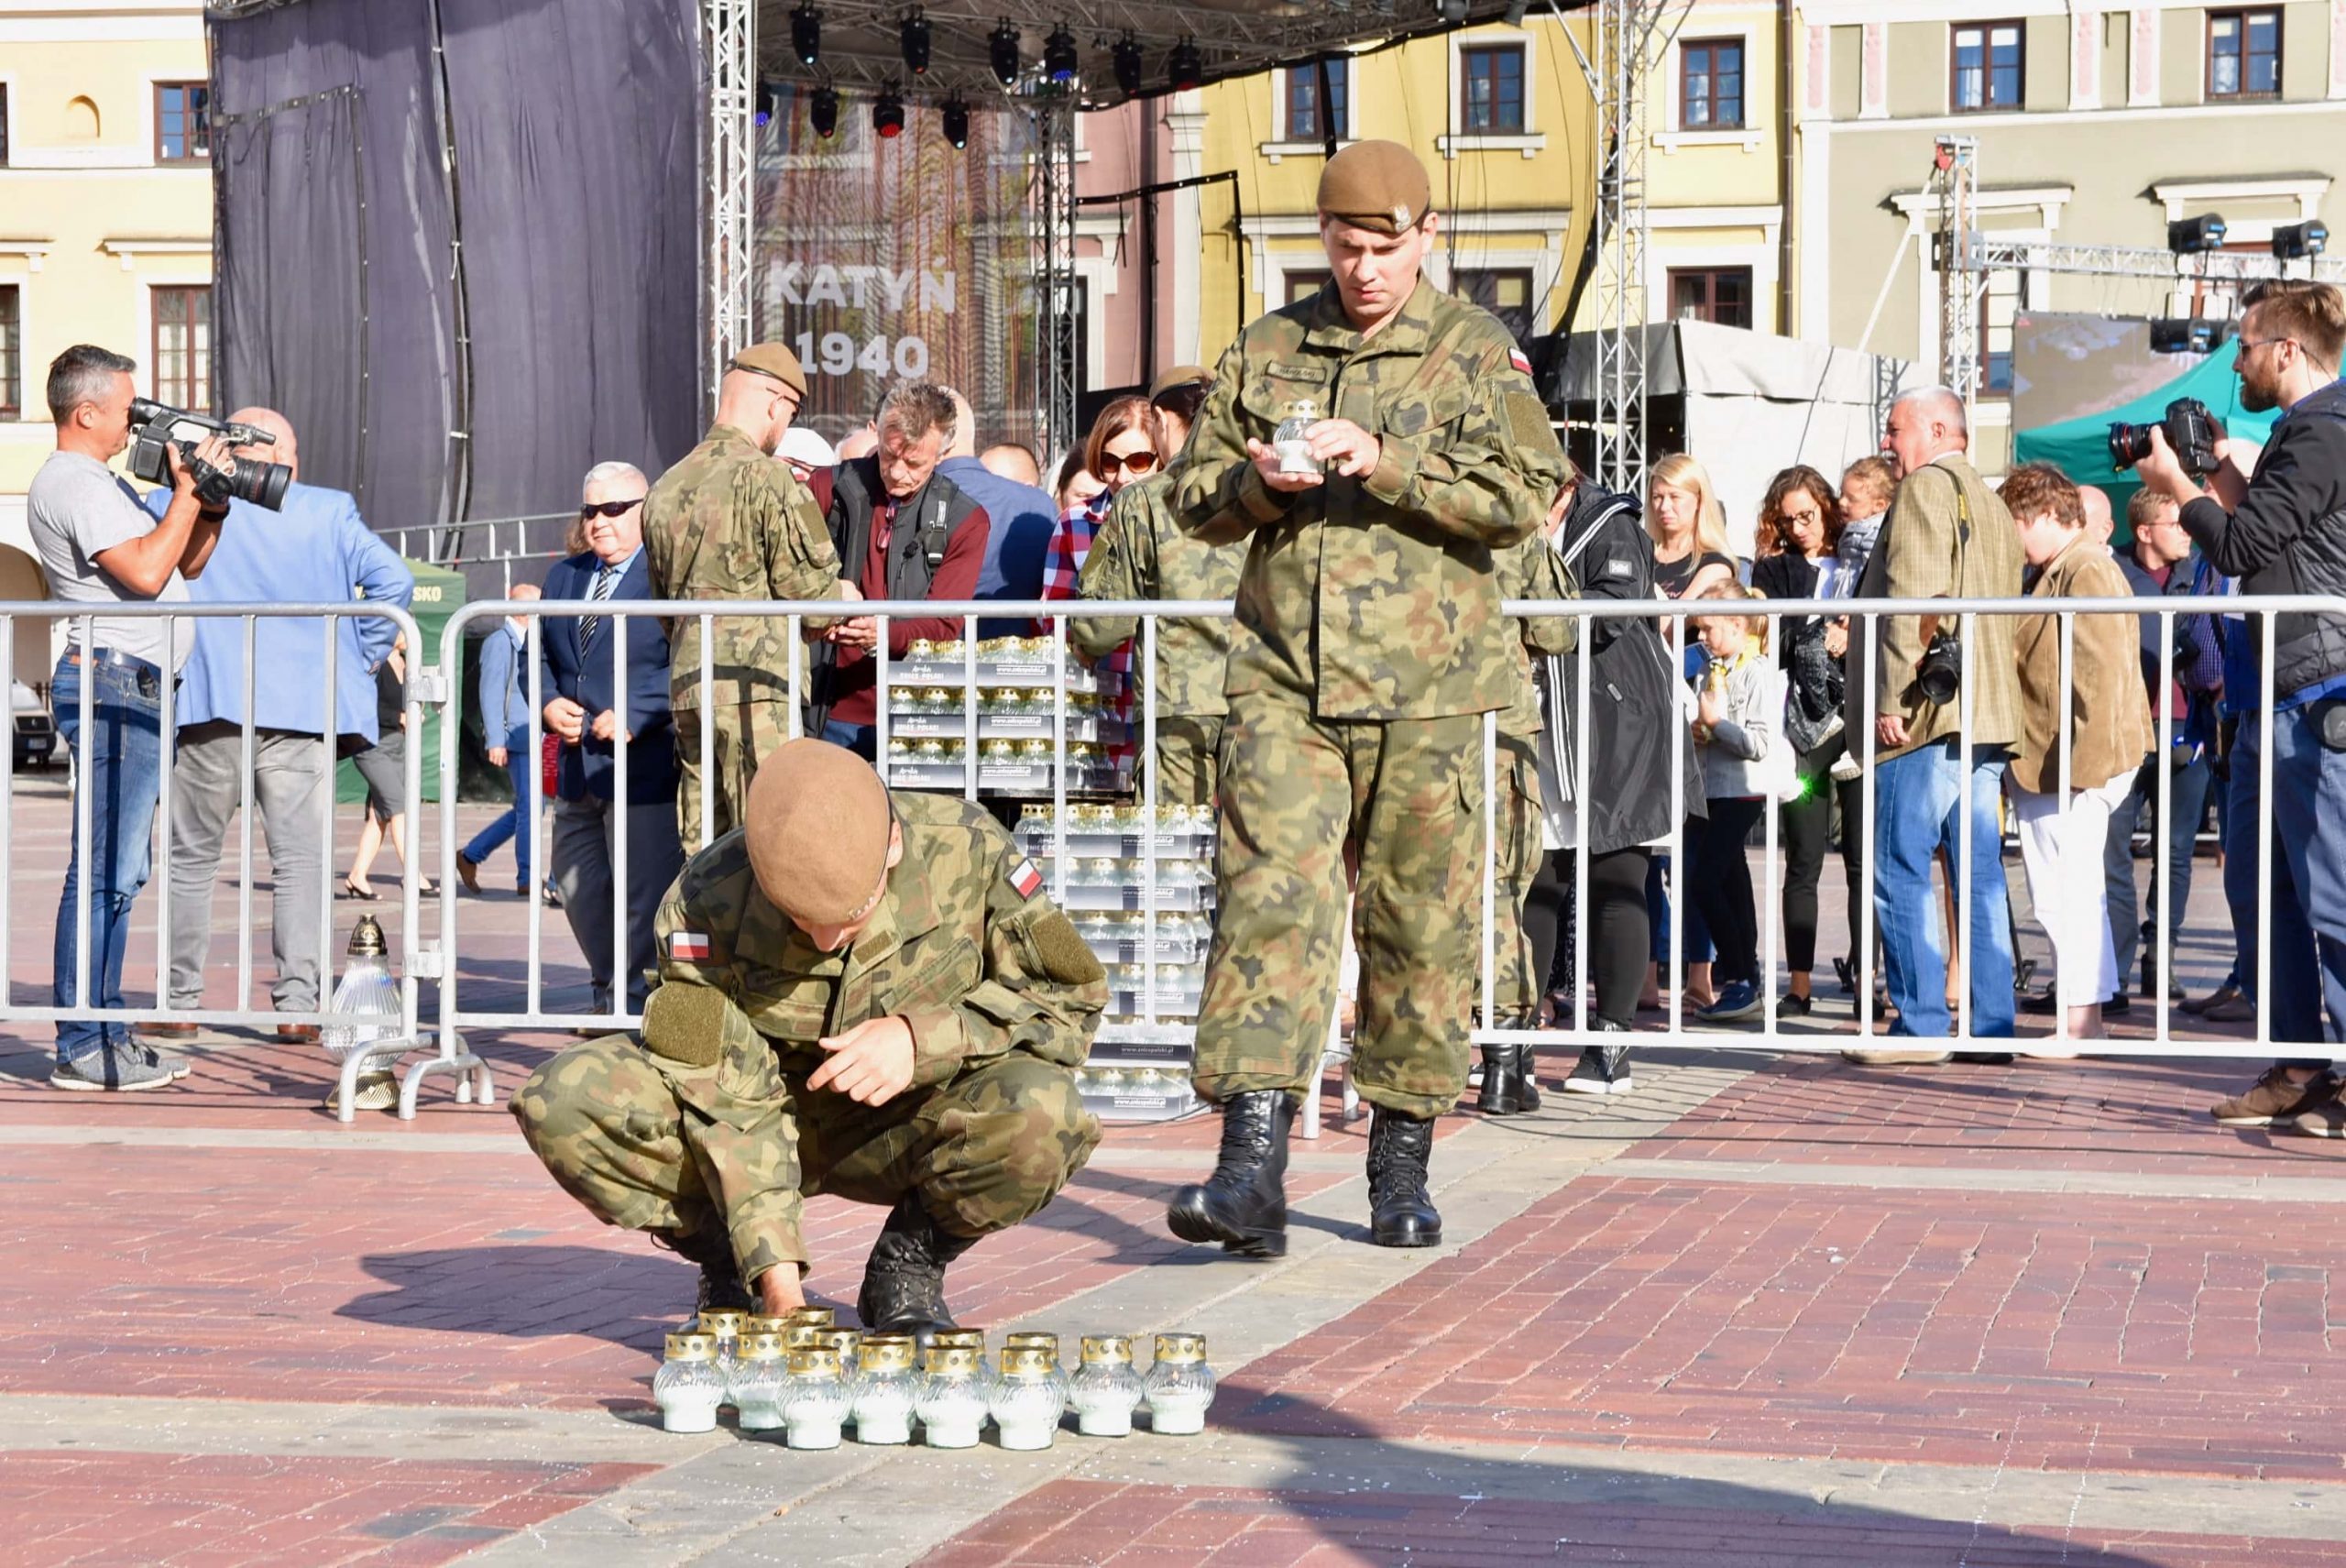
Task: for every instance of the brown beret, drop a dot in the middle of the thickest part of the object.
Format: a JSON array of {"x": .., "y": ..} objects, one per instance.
[
  {"x": 1180, "y": 376},
  {"x": 1377, "y": 185},
  {"x": 818, "y": 832},
  {"x": 773, "y": 359}
]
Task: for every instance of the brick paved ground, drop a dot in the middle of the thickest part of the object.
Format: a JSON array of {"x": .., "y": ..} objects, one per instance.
[{"x": 1769, "y": 1309}]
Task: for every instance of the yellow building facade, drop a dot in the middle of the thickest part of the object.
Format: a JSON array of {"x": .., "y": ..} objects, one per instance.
[{"x": 105, "y": 209}]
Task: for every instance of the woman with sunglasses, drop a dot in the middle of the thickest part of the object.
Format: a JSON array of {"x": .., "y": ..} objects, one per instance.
[{"x": 1126, "y": 444}]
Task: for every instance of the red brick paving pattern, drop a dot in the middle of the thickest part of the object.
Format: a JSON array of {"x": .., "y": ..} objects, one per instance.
[
  {"x": 1086, "y": 1522},
  {"x": 100, "y": 1507}
]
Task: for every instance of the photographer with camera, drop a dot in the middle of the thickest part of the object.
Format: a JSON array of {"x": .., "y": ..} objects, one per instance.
[
  {"x": 98, "y": 545},
  {"x": 2282, "y": 529}
]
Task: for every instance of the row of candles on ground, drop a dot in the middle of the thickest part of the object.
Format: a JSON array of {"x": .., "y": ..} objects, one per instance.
[{"x": 801, "y": 1375}]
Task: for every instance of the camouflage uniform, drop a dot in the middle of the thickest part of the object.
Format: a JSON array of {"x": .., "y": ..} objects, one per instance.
[
  {"x": 1368, "y": 644},
  {"x": 709, "y": 1129},
  {"x": 1527, "y": 571},
  {"x": 1142, "y": 554},
  {"x": 729, "y": 522}
]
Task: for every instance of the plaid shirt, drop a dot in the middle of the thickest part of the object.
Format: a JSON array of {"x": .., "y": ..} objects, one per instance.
[{"x": 1062, "y": 571}]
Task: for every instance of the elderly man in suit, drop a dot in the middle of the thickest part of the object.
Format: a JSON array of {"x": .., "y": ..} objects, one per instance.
[
  {"x": 1947, "y": 536},
  {"x": 583, "y": 676}
]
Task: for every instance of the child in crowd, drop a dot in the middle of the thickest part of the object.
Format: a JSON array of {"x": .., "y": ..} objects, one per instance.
[{"x": 1738, "y": 728}]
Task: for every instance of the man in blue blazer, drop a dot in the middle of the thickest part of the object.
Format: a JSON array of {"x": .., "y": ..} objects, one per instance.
[{"x": 583, "y": 708}]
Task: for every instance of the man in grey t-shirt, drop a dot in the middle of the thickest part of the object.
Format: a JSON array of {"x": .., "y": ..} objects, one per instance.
[{"x": 100, "y": 547}]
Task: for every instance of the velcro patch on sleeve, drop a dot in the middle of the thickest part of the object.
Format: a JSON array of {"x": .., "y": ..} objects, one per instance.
[
  {"x": 1066, "y": 958},
  {"x": 686, "y": 1024},
  {"x": 1527, "y": 419}
]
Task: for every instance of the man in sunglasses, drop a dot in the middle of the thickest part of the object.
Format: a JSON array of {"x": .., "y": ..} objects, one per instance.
[
  {"x": 862, "y": 993},
  {"x": 906, "y": 532},
  {"x": 729, "y": 522}
]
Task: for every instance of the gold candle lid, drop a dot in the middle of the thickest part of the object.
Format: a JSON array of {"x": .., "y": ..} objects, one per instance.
[
  {"x": 799, "y": 1337},
  {"x": 761, "y": 1347},
  {"x": 819, "y": 1315},
  {"x": 952, "y": 1361},
  {"x": 725, "y": 1322},
  {"x": 960, "y": 1339},
  {"x": 844, "y": 1341},
  {"x": 1107, "y": 1349},
  {"x": 892, "y": 1352},
  {"x": 1026, "y": 1338},
  {"x": 1027, "y": 1361},
  {"x": 1180, "y": 1347},
  {"x": 814, "y": 1360},
  {"x": 691, "y": 1346},
  {"x": 757, "y": 1324}
]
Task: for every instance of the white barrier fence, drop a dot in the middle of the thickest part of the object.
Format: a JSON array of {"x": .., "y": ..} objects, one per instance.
[{"x": 439, "y": 1025}]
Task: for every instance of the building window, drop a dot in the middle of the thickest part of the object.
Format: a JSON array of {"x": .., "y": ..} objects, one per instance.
[
  {"x": 183, "y": 348},
  {"x": 12, "y": 352},
  {"x": 182, "y": 122},
  {"x": 1302, "y": 285},
  {"x": 1303, "y": 121},
  {"x": 1716, "y": 294},
  {"x": 1506, "y": 293},
  {"x": 1710, "y": 85},
  {"x": 3, "y": 124},
  {"x": 1988, "y": 66},
  {"x": 2244, "y": 53},
  {"x": 1491, "y": 91}
]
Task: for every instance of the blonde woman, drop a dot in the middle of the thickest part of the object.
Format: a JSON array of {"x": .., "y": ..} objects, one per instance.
[{"x": 1689, "y": 530}]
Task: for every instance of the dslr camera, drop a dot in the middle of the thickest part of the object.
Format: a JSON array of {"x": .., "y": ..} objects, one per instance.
[
  {"x": 2191, "y": 432},
  {"x": 157, "y": 426},
  {"x": 1939, "y": 673}
]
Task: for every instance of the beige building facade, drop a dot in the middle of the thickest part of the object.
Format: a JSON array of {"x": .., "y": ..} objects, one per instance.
[{"x": 105, "y": 209}]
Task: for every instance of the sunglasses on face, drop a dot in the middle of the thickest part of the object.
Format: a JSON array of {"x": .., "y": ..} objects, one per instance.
[
  {"x": 609, "y": 509},
  {"x": 1139, "y": 462}
]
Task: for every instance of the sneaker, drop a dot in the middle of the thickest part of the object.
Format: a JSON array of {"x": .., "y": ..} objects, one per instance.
[
  {"x": 2273, "y": 1098},
  {"x": 1897, "y": 1058},
  {"x": 1844, "y": 768},
  {"x": 2327, "y": 1120},
  {"x": 1602, "y": 1069},
  {"x": 1790, "y": 1006},
  {"x": 177, "y": 1066},
  {"x": 377, "y": 1092},
  {"x": 1739, "y": 999},
  {"x": 125, "y": 1072}
]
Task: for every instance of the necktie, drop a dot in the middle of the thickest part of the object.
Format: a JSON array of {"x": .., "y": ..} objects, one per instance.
[{"x": 606, "y": 578}]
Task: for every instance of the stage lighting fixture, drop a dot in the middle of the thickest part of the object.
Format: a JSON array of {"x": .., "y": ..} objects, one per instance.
[
  {"x": 1130, "y": 65},
  {"x": 2298, "y": 241},
  {"x": 1185, "y": 68},
  {"x": 913, "y": 37},
  {"x": 1453, "y": 11},
  {"x": 1059, "y": 58},
  {"x": 1516, "y": 12},
  {"x": 768, "y": 100},
  {"x": 2188, "y": 236},
  {"x": 888, "y": 113},
  {"x": 956, "y": 117},
  {"x": 2187, "y": 335},
  {"x": 1002, "y": 51},
  {"x": 806, "y": 35},
  {"x": 823, "y": 113}
]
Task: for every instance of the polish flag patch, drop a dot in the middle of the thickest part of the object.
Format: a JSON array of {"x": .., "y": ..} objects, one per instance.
[
  {"x": 1520, "y": 360},
  {"x": 688, "y": 947},
  {"x": 1028, "y": 879}
]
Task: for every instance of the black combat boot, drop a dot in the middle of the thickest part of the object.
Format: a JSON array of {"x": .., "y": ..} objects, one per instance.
[
  {"x": 1400, "y": 1211},
  {"x": 721, "y": 1277},
  {"x": 903, "y": 1279},
  {"x": 1509, "y": 1087},
  {"x": 1243, "y": 1204}
]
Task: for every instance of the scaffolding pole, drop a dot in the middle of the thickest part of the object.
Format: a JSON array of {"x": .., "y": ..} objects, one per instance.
[
  {"x": 1619, "y": 76},
  {"x": 730, "y": 169},
  {"x": 1059, "y": 290},
  {"x": 1955, "y": 176}
]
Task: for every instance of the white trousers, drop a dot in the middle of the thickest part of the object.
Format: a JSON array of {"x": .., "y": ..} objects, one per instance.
[{"x": 2063, "y": 854}]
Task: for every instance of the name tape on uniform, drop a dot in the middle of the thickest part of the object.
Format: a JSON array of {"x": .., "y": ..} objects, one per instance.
[{"x": 688, "y": 947}]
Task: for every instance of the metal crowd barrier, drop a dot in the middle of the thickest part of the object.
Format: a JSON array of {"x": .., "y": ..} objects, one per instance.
[{"x": 243, "y": 1014}]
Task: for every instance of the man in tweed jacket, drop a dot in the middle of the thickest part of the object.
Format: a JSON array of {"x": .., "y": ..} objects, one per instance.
[{"x": 1946, "y": 536}]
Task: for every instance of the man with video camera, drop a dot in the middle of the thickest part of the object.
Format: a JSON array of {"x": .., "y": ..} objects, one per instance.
[
  {"x": 2282, "y": 529},
  {"x": 99, "y": 546}
]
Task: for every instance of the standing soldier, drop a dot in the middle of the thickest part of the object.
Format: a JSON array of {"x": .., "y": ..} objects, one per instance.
[
  {"x": 861, "y": 993},
  {"x": 730, "y": 522},
  {"x": 1379, "y": 442},
  {"x": 1142, "y": 554}
]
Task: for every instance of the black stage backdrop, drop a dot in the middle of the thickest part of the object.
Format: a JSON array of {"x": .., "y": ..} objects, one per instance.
[{"x": 570, "y": 334}]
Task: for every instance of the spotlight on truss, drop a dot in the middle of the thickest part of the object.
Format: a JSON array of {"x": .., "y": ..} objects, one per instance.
[
  {"x": 914, "y": 38},
  {"x": 1185, "y": 68},
  {"x": 2189, "y": 236},
  {"x": 888, "y": 113},
  {"x": 823, "y": 113},
  {"x": 1059, "y": 58},
  {"x": 2298, "y": 241},
  {"x": 1130, "y": 65},
  {"x": 1002, "y": 53},
  {"x": 806, "y": 36},
  {"x": 2188, "y": 334},
  {"x": 955, "y": 119}
]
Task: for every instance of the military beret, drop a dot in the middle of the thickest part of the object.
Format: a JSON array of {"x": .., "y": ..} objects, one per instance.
[
  {"x": 773, "y": 359},
  {"x": 1176, "y": 378},
  {"x": 816, "y": 830},
  {"x": 1377, "y": 185}
]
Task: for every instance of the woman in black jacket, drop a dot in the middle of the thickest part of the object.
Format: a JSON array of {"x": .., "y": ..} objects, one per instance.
[{"x": 1800, "y": 527}]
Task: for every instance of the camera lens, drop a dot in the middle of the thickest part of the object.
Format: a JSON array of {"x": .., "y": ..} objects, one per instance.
[{"x": 2129, "y": 444}]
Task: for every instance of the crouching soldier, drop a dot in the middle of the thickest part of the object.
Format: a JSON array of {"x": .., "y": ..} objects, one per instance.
[{"x": 860, "y": 993}]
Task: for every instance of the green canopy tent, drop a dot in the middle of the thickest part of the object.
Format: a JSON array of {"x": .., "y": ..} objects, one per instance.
[
  {"x": 439, "y": 594},
  {"x": 2080, "y": 447}
]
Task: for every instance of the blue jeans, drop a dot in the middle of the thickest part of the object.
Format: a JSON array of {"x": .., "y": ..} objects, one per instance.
[
  {"x": 122, "y": 777},
  {"x": 2308, "y": 805},
  {"x": 859, "y": 739},
  {"x": 2296, "y": 998},
  {"x": 2171, "y": 884},
  {"x": 1918, "y": 803},
  {"x": 520, "y": 763}
]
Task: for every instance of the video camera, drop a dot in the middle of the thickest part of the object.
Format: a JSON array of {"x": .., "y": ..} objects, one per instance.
[
  {"x": 2191, "y": 432},
  {"x": 157, "y": 426}
]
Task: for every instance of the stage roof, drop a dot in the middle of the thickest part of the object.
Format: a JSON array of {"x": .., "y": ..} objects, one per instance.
[{"x": 862, "y": 53}]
